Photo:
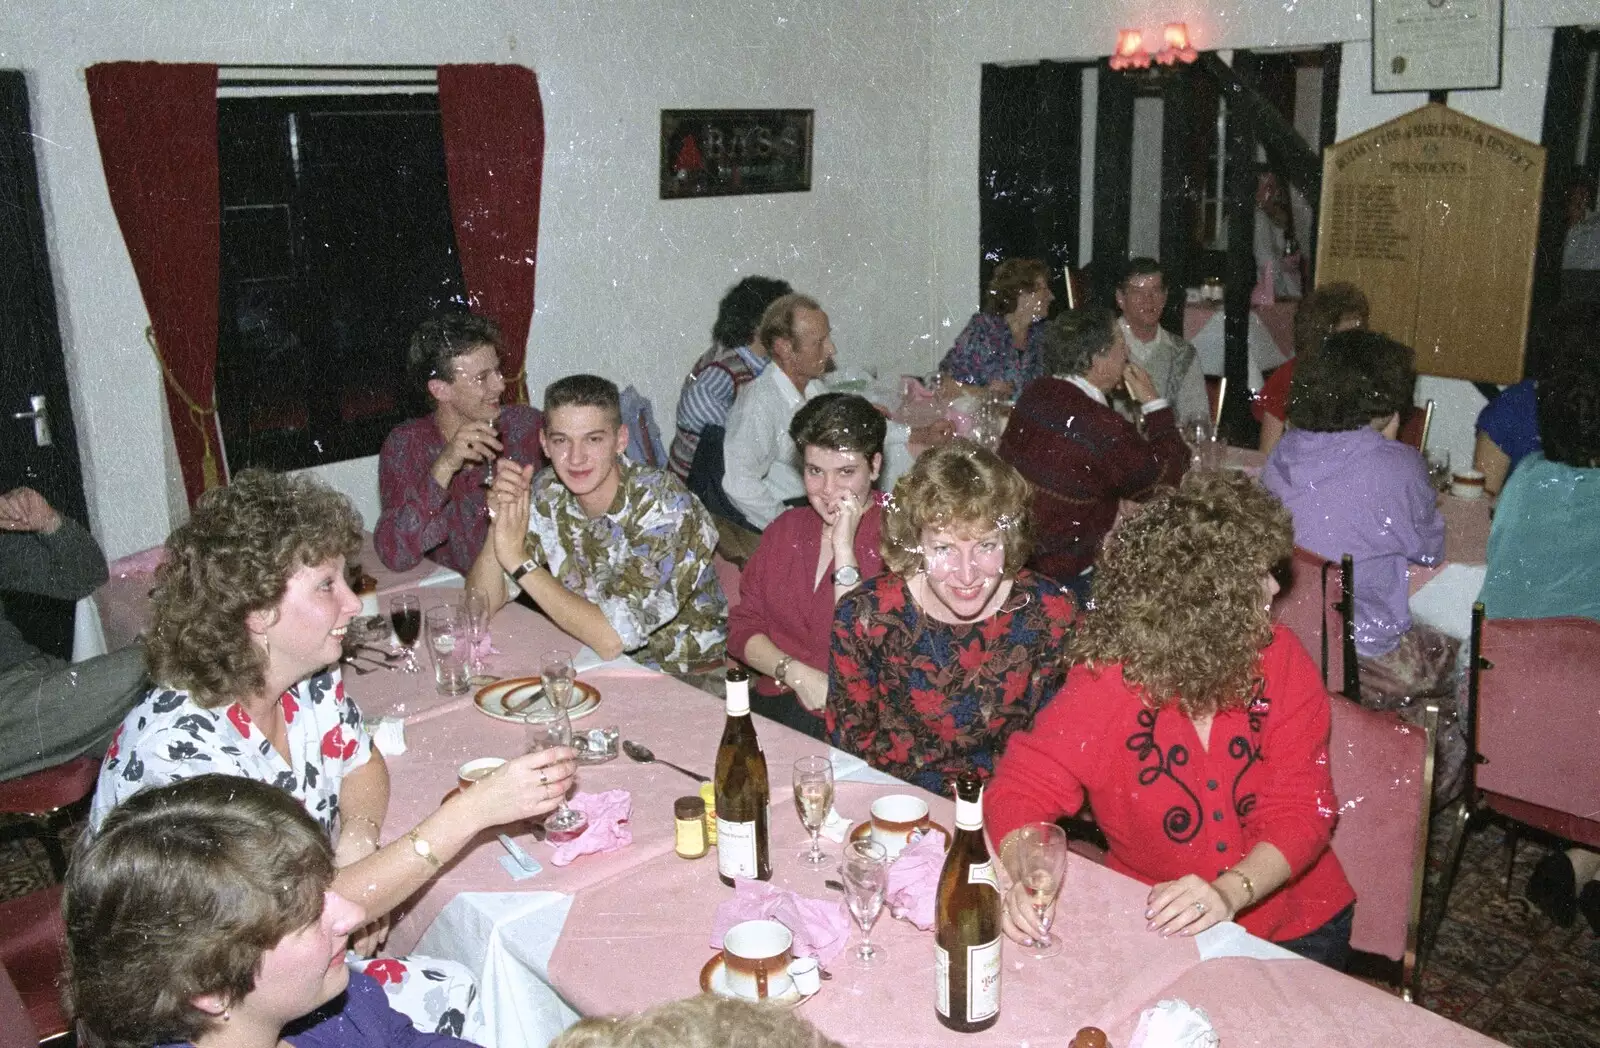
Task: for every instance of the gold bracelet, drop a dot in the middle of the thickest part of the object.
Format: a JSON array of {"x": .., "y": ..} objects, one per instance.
[
  {"x": 422, "y": 848},
  {"x": 1249, "y": 887},
  {"x": 369, "y": 820}
]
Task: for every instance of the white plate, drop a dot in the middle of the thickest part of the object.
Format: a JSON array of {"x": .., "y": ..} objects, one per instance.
[
  {"x": 714, "y": 979},
  {"x": 526, "y": 694}
]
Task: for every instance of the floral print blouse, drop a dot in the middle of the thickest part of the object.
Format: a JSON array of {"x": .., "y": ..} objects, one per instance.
[{"x": 924, "y": 700}]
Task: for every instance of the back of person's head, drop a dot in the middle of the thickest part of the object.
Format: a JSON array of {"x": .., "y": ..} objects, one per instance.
[
  {"x": 1139, "y": 266},
  {"x": 740, "y": 309},
  {"x": 839, "y": 422},
  {"x": 706, "y": 1021},
  {"x": 584, "y": 391},
  {"x": 1569, "y": 411},
  {"x": 178, "y": 896},
  {"x": 1356, "y": 378},
  {"x": 1071, "y": 341},
  {"x": 1012, "y": 279},
  {"x": 1321, "y": 312},
  {"x": 438, "y": 341},
  {"x": 777, "y": 321},
  {"x": 965, "y": 488},
  {"x": 233, "y": 556}
]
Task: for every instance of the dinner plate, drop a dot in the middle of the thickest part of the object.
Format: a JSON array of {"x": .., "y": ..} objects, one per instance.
[
  {"x": 512, "y": 699},
  {"x": 861, "y": 831},
  {"x": 714, "y": 979}
]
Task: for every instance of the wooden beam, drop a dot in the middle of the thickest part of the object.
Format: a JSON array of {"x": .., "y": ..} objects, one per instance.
[
  {"x": 1113, "y": 177},
  {"x": 1239, "y": 202},
  {"x": 1298, "y": 164},
  {"x": 1179, "y": 196}
]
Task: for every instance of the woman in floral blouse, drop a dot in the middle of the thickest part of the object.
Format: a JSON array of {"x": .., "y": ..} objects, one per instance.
[
  {"x": 999, "y": 348},
  {"x": 956, "y": 646},
  {"x": 249, "y": 615}
]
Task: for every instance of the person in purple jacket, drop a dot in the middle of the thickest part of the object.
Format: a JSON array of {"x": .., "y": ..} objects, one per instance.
[
  {"x": 1352, "y": 488},
  {"x": 201, "y": 914}
]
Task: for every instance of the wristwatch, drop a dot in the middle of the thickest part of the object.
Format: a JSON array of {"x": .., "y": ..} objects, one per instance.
[
  {"x": 422, "y": 848},
  {"x": 782, "y": 668},
  {"x": 848, "y": 575},
  {"x": 522, "y": 569}
]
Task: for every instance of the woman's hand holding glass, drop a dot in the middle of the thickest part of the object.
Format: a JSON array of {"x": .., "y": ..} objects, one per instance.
[
  {"x": 526, "y": 787},
  {"x": 1186, "y": 906}
]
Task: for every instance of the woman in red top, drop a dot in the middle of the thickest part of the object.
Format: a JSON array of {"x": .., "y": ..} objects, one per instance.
[
  {"x": 1334, "y": 307},
  {"x": 810, "y": 557},
  {"x": 1197, "y": 730}
]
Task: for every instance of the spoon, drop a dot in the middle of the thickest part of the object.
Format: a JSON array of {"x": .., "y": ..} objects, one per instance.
[{"x": 643, "y": 755}]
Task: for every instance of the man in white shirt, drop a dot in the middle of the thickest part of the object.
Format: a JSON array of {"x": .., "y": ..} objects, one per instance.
[
  {"x": 761, "y": 470},
  {"x": 1173, "y": 365}
]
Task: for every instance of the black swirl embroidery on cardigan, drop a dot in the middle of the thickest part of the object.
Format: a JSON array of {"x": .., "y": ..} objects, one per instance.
[
  {"x": 1248, "y": 750},
  {"x": 1180, "y": 823}
]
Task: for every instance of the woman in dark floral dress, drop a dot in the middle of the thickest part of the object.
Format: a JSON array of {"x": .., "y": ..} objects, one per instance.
[{"x": 936, "y": 662}]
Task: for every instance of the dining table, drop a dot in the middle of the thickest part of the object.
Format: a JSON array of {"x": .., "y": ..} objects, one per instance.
[{"x": 618, "y": 931}]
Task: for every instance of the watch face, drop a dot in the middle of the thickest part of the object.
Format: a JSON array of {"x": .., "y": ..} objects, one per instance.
[{"x": 847, "y": 576}]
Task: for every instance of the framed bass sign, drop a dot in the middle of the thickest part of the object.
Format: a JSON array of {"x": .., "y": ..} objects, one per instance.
[{"x": 734, "y": 152}]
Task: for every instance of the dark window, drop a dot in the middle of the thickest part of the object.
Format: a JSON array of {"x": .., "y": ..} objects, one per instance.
[{"x": 336, "y": 244}]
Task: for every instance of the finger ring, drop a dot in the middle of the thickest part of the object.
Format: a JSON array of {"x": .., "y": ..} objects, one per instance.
[
  {"x": 542, "y": 780},
  {"x": 1199, "y": 907},
  {"x": 491, "y": 512}
]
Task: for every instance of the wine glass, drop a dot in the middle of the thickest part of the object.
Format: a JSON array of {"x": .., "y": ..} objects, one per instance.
[
  {"x": 555, "y": 670},
  {"x": 1041, "y": 862},
  {"x": 813, "y": 798},
  {"x": 547, "y": 733},
  {"x": 475, "y": 613},
  {"x": 405, "y": 614},
  {"x": 865, "y": 872},
  {"x": 1439, "y": 469}
]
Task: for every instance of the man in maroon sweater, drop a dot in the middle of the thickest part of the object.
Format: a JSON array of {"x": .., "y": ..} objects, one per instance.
[{"x": 1081, "y": 456}]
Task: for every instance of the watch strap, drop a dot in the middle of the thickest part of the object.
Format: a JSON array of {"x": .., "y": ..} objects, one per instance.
[{"x": 522, "y": 569}]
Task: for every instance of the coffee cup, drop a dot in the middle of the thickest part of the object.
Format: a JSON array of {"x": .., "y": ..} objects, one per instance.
[
  {"x": 895, "y": 818},
  {"x": 807, "y": 975},
  {"x": 1467, "y": 484},
  {"x": 756, "y": 956},
  {"x": 475, "y": 770}
]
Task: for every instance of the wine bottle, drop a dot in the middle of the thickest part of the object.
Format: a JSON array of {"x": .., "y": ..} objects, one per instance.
[
  {"x": 742, "y": 793},
  {"x": 967, "y": 921}
]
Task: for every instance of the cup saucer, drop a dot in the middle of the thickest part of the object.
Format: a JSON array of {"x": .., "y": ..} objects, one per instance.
[{"x": 714, "y": 979}]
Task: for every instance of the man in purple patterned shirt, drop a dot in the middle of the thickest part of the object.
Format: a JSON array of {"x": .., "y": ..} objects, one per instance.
[{"x": 434, "y": 471}]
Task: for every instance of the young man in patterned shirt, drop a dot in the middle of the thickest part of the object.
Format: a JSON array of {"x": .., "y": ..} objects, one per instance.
[{"x": 618, "y": 555}]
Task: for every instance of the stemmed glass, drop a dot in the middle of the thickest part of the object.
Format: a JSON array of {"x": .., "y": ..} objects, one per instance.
[
  {"x": 475, "y": 614},
  {"x": 1439, "y": 469},
  {"x": 545, "y": 734},
  {"x": 1040, "y": 860},
  {"x": 555, "y": 671},
  {"x": 865, "y": 872},
  {"x": 813, "y": 798},
  {"x": 405, "y": 614}
]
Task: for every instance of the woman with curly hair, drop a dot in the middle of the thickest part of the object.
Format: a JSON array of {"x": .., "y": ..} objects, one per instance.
[
  {"x": 1195, "y": 728},
  {"x": 203, "y": 913},
  {"x": 938, "y": 660},
  {"x": 999, "y": 348},
  {"x": 249, "y": 615}
]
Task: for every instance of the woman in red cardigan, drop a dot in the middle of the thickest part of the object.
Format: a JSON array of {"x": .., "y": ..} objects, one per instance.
[{"x": 1197, "y": 730}]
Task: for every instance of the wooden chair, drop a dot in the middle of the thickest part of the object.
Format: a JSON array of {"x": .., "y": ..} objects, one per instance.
[
  {"x": 1415, "y": 424},
  {"x": 1382, "y": 770},
  {"x": 43, "y": 804},
  {"x": 32, "y": 945},
  {"x": 1314, "y": 602},
  {"x": 1531, "y": 757}
]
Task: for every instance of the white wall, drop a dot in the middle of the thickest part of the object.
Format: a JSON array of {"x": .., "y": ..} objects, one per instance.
[{"x": 627, "y": 284}]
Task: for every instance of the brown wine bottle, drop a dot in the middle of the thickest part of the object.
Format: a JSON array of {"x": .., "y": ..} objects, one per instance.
[
  {"x": 967, "y": 921},
  {"x": 742, "y": 792}
]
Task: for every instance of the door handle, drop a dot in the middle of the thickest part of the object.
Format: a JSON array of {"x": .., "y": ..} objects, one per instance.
[{"x": 41, "y": 419}]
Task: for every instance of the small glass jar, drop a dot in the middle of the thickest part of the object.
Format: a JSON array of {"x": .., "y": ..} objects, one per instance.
[{"x": 689, "y": 820}]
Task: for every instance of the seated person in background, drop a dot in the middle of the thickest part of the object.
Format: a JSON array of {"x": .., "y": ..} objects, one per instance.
[
  {"x": 204, "y": 913},
  {"x": 618, "y": 555},
  {"x": 810, "y": 557},
  {"x": 734, "y": 360},
  {"x": 1195, "y": 728},
  {"x": 1080, "y": 455},
  {"x": 938, "y": 660},
  {"x": 248, "y": 617},
  {"x": 761, "y": 471},
  {"x": 1544, "y": 562},
  {"x": 433, "y": 471},
  {"x": 999, "y": 347},
  {"x": 1352, "y": 488},
  {"x": 51, "y": 712},
  {"x": 1330, "y": 308},
  {"x": 1173, "y": 364},
  {"x": 704, "y": 1021}
]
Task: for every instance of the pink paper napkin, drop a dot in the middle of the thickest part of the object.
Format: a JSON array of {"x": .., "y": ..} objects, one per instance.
[
  {"x": 914, "y": 880},
  {"x": 820, "y": 926},
  {"x": 608, "y": 825},
  {"x": 145, "y": 562}
]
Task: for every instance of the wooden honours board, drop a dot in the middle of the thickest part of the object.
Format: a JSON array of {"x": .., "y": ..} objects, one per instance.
[{"x": 1435, "y": 216}]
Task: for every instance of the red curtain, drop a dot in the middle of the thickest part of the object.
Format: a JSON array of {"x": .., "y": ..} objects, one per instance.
[
  {"x": 157, "y": 127},
  {"x": 494, "y": 155}
]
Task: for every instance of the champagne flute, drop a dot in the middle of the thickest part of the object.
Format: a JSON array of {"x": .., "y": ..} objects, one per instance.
[
  {"x": 555, "y": 671},
  {"x": 865, "y": 872},
  {"x": 813, "y": 798},
  {"x": 547, "y": 733},
  {"x": 1041, "y": 863},
  {"x": 405, "y": 614},
  {"x": 475, "y": 614}
]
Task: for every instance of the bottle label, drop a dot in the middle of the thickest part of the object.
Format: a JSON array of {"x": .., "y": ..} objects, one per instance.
[
  {"x": 738, "y": 698},
  {"x": 941, "y": 975},
  {"x": 983, "y": 873},
  {"x": 736, "y": 848},
  {"x": 969, "y": 814},
  {"x": 983, "y": 980}
]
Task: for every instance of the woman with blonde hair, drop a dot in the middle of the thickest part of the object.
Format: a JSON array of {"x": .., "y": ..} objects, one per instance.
[
  {"x": 1195, "y": 728},
  {"x": 938, "y": 660},
  {"x": 706, "y": 1021}
]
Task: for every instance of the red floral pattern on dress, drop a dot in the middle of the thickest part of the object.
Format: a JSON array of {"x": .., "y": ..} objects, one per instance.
[
  {"x": 240, "y": 719},
  {"x": 291, "y": 707},
  {"x": 386, "y": 971},
  {"x": 116, "y": 743},
  {"x": 336, "y": 745}
]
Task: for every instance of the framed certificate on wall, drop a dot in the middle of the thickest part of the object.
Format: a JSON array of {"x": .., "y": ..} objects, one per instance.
[{"x": 1436, "y": 45}]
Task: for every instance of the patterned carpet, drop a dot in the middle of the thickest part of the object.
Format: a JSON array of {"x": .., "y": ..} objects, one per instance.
[{"x": 1500, "y": 966}]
